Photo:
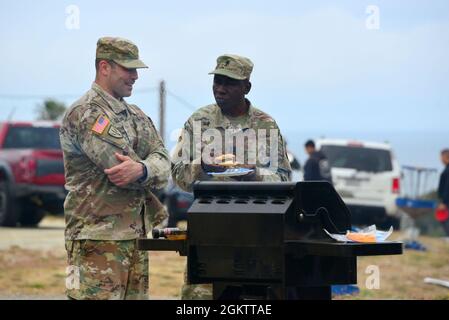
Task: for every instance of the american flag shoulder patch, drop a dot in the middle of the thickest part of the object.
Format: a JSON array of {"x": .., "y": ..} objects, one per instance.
[{"x": 101, "y": 124}]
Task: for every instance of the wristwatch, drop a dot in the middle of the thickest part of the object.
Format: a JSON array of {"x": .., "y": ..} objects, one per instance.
[{"x": 145, "y": 173}]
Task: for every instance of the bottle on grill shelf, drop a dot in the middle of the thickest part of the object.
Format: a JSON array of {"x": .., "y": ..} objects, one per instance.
[{"x": 170, "y": 234}]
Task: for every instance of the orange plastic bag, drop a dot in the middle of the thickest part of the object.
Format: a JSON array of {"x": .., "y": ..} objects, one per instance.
[{"x": 360, "y": 237}]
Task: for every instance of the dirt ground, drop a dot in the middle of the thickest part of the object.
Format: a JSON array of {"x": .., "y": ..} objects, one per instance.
[{"x": 33, "y": 261}]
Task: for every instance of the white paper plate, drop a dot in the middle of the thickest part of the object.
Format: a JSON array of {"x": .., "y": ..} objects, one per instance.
[{"x": 233, "y": 172}]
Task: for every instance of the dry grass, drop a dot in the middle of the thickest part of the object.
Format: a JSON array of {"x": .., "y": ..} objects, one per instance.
[
  {"x": 42, "y": 273},
  {"x": 166, "y": 274},
  {"x": 402, "y": 277},
  {"x": 32, "y": 272}
]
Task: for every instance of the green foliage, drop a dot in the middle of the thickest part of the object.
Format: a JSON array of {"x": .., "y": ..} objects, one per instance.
[{"x": 50, "y": 110}]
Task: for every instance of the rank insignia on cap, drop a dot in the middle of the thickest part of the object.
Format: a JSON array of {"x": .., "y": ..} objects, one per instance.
[{"x": 101, "y": 124}]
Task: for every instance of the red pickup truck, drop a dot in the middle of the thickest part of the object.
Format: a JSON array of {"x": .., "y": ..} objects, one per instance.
[{"x": 31, "y": 172}]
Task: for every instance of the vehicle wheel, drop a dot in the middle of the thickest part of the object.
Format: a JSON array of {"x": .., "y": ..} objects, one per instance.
[
  {"x": 55, "y": 208},
  {"x": 396, "y": 223},
  {"x": 172, "y": 221},
  {"x": 31, "y": 215},
  {"x": 388, "y": 222},
  {"x": 9, "y": 214}
]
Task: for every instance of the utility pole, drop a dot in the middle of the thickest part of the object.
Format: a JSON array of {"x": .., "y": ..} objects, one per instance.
[
  {"x": 11, "y": 114},
  {"x": 162, "y": 97}
]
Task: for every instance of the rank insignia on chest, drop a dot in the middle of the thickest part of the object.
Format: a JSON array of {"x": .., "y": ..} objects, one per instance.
[
  {"x": 113, "y": 131},
  {"x": 101, "y": 124}
]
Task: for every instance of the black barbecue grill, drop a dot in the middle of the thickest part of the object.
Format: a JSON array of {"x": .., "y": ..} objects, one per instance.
[{"x": 266, "y": 240}]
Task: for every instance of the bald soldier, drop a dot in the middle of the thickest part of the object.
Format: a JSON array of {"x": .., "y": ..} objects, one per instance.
[
  {"x": 113, "y": 158},
  {"x": 232, "y": 133}
]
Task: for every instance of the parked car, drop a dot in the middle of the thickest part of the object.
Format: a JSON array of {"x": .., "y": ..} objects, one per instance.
[
  {"x": 367, "y": 177},
  {"x": 31, "y": 172},
  {"x": 177, "y": 202}
]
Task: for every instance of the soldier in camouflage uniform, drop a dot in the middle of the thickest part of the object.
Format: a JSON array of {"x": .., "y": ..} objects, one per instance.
[
  {"x": 113, "y": 158},
  {"x": 232, "y": 115}
]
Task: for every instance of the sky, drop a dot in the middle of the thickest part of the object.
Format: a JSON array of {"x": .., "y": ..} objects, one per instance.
[{"x": 376, "y": 70}]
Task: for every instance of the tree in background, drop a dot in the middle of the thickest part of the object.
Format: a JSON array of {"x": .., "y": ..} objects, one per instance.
[{"x": 50, "y": 110}]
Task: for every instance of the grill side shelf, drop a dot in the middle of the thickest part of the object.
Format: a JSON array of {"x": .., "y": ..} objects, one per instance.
[
  {"x": 163, "y": 245},
  {"x": 342, "y": 249}
]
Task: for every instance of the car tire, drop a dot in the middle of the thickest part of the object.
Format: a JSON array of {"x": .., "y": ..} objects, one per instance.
[
  {"x": 9, "y": 213},
  {"x": 30, "y": 215},
  {"x": 396, "y": 223},
  {"x": 389, "y": 222},
  {"x": 172, "y": 219}
]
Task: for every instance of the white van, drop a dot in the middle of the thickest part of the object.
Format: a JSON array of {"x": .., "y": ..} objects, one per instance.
[{"x": 367, "y": 177}]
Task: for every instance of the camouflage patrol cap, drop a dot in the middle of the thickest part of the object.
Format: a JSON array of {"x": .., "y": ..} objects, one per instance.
[
  {"x": 119, "y": 50},
  {"x": 233, "y": 66}
]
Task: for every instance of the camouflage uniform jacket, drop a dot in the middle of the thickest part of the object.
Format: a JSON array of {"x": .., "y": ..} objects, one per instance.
[
  {"x": 186, "y": 171},
  {"x": 93, "y": 129}
]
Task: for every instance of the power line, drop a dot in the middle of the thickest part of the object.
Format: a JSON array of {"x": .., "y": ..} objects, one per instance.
[
  {"x": 181, "y": 100},
  {"x": 62, "y": 96},
  {"x": 146, "y": 90},
  {"x": 37, "y": 96}
]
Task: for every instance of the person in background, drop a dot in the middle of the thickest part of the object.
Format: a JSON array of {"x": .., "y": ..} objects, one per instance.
[
  {"x": 442, "y": 213},
  {"x": 317, "y": 166}
]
